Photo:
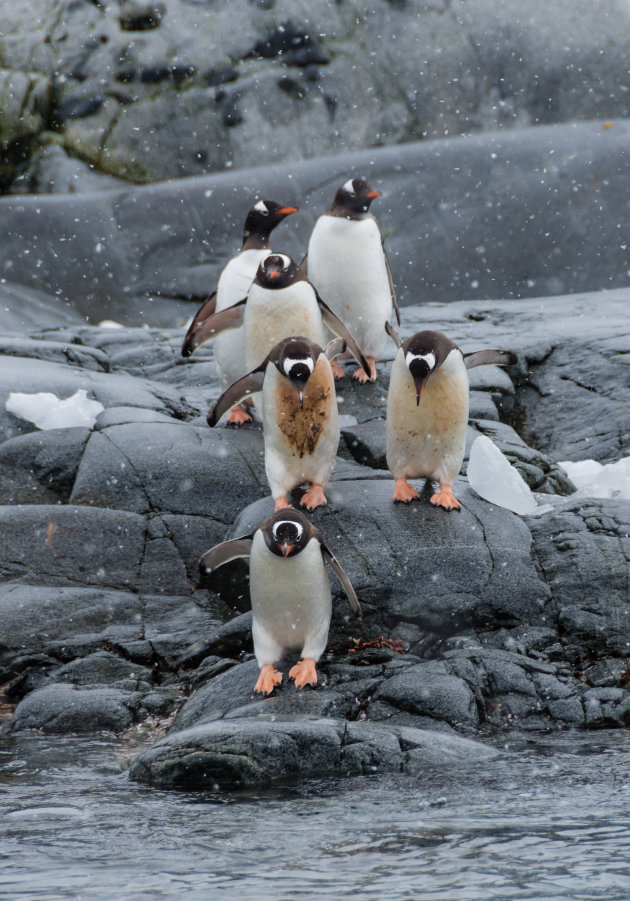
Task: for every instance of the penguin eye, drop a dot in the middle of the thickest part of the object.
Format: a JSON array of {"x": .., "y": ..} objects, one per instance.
[
  {"x": 428, "y": 359},
  {"x": 298, "y": 368},
  {"x": 348, "y": 187},
  {"x": 261, "y": 208},
  {"x": 286, "y": 527}
]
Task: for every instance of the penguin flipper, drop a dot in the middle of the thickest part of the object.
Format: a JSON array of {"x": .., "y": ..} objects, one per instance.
[
  {"x": 489, "y": 357},
  {"x": 392, "y": 290},
  {"x": 393, "y": 334},
  {"x": 249, "y": 384},
  {"x": 222, "y": 553},
  {"x": 230, "y": 317},
  {"x": 334, "y": 348},
  {"x": 191, "y": 341},
  {"x": 334, "y": 564},
  {"x": 335, "y": 324}
]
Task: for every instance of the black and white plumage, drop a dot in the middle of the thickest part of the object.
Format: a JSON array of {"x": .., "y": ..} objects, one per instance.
[
  {"x": 347, "y": 263},
  {"x": 300, "y": 418},
  {"x": 281, "y": 302},
  {"x": 427, "y": 411},
  {"x": 234, "y": 283},
  {"x": 290, "y": 593}
]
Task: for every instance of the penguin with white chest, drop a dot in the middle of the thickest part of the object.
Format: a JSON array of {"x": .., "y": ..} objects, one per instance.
[
  {"x": 290, "y": 593},
  {"x": 300, "y": 419},
  {"x": 281, "y": 302},
  {"x": 427, "y": 411},
  {"x": 234, "y": 283},
  {"x": 347, "y": 263}
]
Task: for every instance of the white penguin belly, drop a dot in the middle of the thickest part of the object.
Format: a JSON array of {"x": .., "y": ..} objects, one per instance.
[
  {"x": 300, "y": 444},
  {"x": 427, "y": 440},
  {"x": 291, "y": 601},
  {"x": 346, "y": 263},
  {"x": 234, "y": 284}
]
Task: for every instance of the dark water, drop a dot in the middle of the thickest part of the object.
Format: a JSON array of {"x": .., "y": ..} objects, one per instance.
[{"x": 549, "y": 819}]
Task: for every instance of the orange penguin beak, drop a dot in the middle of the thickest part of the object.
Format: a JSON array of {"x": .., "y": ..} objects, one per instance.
[
  {"x": 300, "y": 395},
  {"x": 287, "y": 210},
  {"x": 274, "y": 273},
  {"x": 286, "y": 548},
  {"x": 419, "y": 391},
  {"x": 373, "y": 194}
]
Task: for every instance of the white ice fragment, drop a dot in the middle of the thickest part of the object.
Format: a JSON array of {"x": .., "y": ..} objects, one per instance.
[
  {"x": 494, "y": 478},
  {"x": 346, "y": 420},
  {"x": 110, "y": 323},
  {"x": 583, "y": 472},
  {"x": 47, "y": 411},
  {"x": 613, "y": 480}
]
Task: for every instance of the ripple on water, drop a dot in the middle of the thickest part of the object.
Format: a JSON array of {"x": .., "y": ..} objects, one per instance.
[{"x": 549, "y": 819}]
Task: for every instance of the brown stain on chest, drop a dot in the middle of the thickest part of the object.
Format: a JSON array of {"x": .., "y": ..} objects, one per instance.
[{"x": 303, "y": 426}]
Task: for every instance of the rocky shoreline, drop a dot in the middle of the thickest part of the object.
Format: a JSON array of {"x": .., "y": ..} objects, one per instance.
[{"x": 503, "y": 621}]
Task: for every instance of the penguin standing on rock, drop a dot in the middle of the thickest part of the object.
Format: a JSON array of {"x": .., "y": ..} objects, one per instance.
[
  {"x": 347, "y": 264},
  {"x": 427, "y": 411},
  {"x": 281, "y": 302},
  {"x": 300, "y": 419},
  {"x": 290, "y": 594},
  {"x": 234, "y": 283}
]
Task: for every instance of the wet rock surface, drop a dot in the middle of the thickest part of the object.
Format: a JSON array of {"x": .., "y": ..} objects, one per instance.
[
  {"x": 491, "y": 620},
  {"x": 152, "y": 90}
]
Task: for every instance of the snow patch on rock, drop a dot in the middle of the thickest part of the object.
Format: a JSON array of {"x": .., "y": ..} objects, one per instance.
[{"x": 47, "y": 411}]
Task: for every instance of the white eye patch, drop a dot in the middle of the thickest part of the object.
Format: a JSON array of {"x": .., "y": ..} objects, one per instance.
[
  {"x": 288, "y": 522},
  {"x": 429, "y": 359},
  {"x": 290, "y": 362},
  {"x": 261, "y": 207},
  {"x": 349, "y": 188}
]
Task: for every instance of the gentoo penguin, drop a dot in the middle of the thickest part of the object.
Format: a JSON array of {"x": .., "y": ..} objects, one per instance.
[
  {"x": 234, "y": 283},
  {"x": 427, "y": 411},
  {"x": 347, "y": 264},
  {"x": 290, "y": 594},
  {"x": 281, "y": 302},
  {"x": 299, "y": 411}
]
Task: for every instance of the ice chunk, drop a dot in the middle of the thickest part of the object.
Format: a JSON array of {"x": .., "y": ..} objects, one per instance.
[
  {"x": 583, "y": 472},
  {"x": 494, "y": 478},
  {"x": 592, "y": 479},
  {"x": 47, "y": 411},
  {"x": 346, "y": 420},
  {"x": 110, "y": 323}
]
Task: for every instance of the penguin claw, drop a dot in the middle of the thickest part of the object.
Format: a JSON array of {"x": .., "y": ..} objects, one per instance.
[
  {"x": 268, "y": 679},
  {"x": 238, "y": 415},
  {"x": 405, "y": 492},
  {"x": 337, "y": 370},
  {"x": 314, "y": 498},
  {"x": 445, "y": 498},
  {"x": 362, "y": 376},
  {"x": 281, "y": 502},
  {"x": 304, "y": 673}
]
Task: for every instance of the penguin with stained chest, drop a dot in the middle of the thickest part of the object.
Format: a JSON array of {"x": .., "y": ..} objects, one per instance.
[
  {"x": 300, "y": 418},
  {"x": 290, "y": 593},
  {"x": 427, "y": 411},
  {"x": 234, "y": 282},
  {"x": 346, "y": 262},
  {"x": 281, "y": 302}
]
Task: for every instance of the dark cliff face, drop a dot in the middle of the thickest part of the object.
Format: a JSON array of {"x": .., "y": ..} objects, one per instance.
[{"x": 144, "y": 91}]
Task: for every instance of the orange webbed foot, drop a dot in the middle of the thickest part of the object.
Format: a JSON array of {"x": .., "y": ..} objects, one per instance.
[
  {"x": 445, "y": 498},
  {"x": 304, "y": 673},
  {"x": 404, "y": 491},
  {"x": 337, "y": 369},
  {"x": 268, "y": 679},
  {"x": 314, "y": 498},
  {"x": 238, "y": 415},
  {"x": 281, "y": 502},
  {"x": 362, "y": 376}
]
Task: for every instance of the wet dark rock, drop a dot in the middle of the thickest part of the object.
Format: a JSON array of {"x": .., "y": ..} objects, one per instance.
[
  {"x": 238, "y": 754},
  {"x": 64, "y": 708},
  {"x": 40, "y": 467}
]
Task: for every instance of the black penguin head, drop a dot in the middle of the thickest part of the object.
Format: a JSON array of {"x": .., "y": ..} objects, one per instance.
[
  {"x": 425, "y": 352},
  {"x": 297, "y": 358},
  {"x": 353, "y": 198},
  {"x": 278, "y": 270},
  {"x": 287, "y": 532},
  {"x": 262, "y": 219}
]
